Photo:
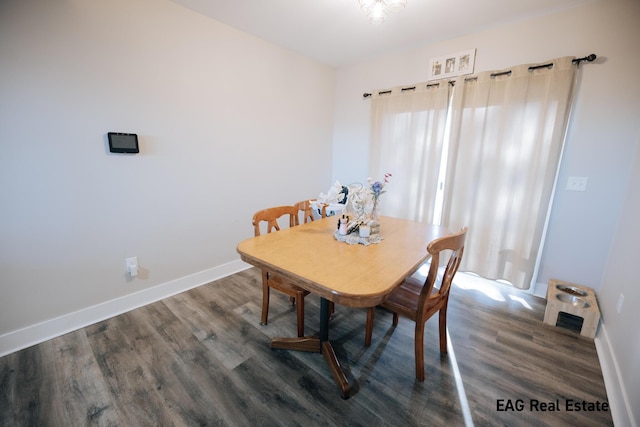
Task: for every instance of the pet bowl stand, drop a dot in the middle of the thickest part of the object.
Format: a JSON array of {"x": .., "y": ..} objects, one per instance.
[{"x": 572, "y": 299}]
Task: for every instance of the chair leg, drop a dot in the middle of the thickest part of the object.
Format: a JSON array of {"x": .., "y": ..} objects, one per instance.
[
  {"x": 442, "y": 321},
  {"x": 265, "y": 300},
  {"x": 292, "y": 300},
  {"x": 395, "y": 319},
  {"x": 371, "y": 311},
  {"x": 300, "y": 313},
  {"x": 419, "y": 343},
  {"x": 332, "y": 308}
]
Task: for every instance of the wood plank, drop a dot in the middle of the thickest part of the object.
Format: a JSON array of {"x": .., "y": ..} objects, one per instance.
[
  {"x": 78, "y": 390},
  {"x": 120, "y": 350}
]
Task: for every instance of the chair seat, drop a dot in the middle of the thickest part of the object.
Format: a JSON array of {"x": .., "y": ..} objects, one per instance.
[
  {"x": 406, "y": 295},
  {"x": 276, "y": 281},
  {"x": 404, "y": 299}
]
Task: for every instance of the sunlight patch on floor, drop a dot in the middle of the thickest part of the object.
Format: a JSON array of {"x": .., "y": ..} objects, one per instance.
[
  {"x": 468, "y": 281},
  {"x": 521, "y": 300},
  {"x": 497, "y": 290},
  {"x": 462, "y": 395}
]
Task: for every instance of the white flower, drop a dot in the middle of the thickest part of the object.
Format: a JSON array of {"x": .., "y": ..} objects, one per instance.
[{"x": 333, "y": 196}]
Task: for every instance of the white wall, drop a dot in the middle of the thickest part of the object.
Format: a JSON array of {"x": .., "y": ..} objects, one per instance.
[
  {"x": 228, "y": 124},
  {"x": 601, "y": 144},
  {"x": 619, "y": 333}
]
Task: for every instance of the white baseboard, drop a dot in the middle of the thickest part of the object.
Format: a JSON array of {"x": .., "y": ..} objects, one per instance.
[
  {"x": 540, "y": 289},
  {"x": 40, "y": 332},
  {"x": 621, "y": 410}
]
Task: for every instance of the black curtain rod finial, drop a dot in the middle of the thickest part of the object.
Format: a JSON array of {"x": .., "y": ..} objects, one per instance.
[{"x": 589, "y": 58}]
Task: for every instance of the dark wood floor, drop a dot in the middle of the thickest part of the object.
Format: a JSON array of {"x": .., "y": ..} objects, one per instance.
[{"x": 202, "y": 358}]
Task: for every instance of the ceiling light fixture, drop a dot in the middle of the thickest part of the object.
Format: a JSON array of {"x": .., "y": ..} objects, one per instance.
[{"x": 377, "y": 10}]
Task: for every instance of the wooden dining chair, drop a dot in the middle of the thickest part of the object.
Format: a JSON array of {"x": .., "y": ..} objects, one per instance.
[
  {"x": 419, "y": 301},
  {"x": 305, "y": 207},
  {"x": 273, "y": 280}
]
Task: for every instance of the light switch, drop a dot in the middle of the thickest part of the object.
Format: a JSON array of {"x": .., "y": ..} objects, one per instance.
[{"x": 577, "y": 183}]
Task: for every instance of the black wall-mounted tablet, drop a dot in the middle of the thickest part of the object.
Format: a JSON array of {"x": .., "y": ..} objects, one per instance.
[{"x": 123, "y": 142}]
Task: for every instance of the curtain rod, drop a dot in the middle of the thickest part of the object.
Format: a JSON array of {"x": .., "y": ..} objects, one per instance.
[{"x": 577, "y": 61}]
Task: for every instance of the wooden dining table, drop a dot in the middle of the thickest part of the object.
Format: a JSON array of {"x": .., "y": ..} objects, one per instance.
[{"x": 354, "y": 275}]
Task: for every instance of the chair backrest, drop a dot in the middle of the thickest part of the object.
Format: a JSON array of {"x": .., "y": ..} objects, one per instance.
[
  {"x": 307, "y": 209},
  {"x": 453, "y": 243},
  {"x": 271, "y": 216}
]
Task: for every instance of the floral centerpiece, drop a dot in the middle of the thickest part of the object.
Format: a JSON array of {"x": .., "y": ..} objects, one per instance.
[
  {"x": 377, "y": 189},
  {"x": 361, "y": 204}
]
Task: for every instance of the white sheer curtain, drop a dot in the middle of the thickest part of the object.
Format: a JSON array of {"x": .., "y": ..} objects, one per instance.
[
  {"x": 506, "y": 141},
  {"x": 408, "y": 128}
]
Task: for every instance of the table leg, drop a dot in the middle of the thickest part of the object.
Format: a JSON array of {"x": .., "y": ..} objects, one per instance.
[{"x": 319, "y": 344}]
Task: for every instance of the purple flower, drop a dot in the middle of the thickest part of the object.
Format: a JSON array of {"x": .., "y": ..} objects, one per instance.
[{"x": 377, "y": 186}]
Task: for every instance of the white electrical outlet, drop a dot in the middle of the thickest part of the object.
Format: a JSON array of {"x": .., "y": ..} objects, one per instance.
[
  {"x": 620, "y": 302},
  {"x": 132, "y": 266},
  {"x": 577, "y": 183}
]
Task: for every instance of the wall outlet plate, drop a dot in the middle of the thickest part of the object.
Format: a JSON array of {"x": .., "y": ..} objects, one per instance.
[
  {"x": 620, "y": 302},
  {"x": 577, "y": 183},
  {"x": 132, "y": 266}
]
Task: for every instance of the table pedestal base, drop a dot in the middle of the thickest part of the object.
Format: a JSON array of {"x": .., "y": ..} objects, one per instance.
[
  {"x": 310, "y": 344},
  {"x": 314, "y": 345},
  {"x": 319, "y": 344},
  {"x": 336, "y": 370}
]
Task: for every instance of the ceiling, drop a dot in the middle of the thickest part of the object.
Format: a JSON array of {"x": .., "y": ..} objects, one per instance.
[{"x": 337, "y": 32}]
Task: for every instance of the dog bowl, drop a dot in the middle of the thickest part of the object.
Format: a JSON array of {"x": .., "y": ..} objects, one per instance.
[
  {"x": 573, "y": 300},
  {"x": 572, "y": 290}
]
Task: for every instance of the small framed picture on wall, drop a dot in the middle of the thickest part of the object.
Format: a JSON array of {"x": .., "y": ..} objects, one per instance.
[{"x": 456, "y": 64}]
